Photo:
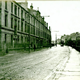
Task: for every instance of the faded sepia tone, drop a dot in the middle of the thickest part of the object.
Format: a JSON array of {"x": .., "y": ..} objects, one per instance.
[
  {"x": 22, "y": 27},
  {"x": 27, "y": 51}
]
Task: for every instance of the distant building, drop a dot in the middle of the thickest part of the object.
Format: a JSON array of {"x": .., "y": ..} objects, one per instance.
[
  {"x": 21, "y": 27},
  {"x": 24, "y": 4}
]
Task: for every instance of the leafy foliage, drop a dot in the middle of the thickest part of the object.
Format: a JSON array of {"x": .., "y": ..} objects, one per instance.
[{"x": 71, "y": 40}]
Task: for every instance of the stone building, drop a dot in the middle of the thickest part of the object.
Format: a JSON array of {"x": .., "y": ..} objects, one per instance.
[{"x": 21, "y": 27}]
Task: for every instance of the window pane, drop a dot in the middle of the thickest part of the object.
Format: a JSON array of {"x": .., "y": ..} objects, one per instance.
[
  {"x": 25, "y": 27},
  {"x": 28, "y": 28},
  {"x": 11, "y": 22},
  {"x": 0, "y": 4},
  {"x": 11, "y": 39},
  {"x": 0, "y": 17},
  {"x": 12, "y": 7},
  {"x": 22, "y": 26},
  {"x": 22, "y": 39},
  {"x": 18, "y": 24},
  {"x": 5, "y": 4},
  {"x": 6, "y": 18},
  {"x": 5, "y": 38},
  {"x": 15, "y": 27},
  {"x": 18, "y": 38},
  {"x": 18, "y": 11},
  {"x": 21, "y": 13},
  {"x": 15, "y": 10}
]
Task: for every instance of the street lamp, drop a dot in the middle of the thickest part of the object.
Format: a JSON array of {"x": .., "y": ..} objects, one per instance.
[
  {"x": 56, "y": 37},
  {"x": 46, "y": 16}
]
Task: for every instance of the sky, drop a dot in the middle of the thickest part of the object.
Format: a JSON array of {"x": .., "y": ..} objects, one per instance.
[{"x": 64, "y": 16}]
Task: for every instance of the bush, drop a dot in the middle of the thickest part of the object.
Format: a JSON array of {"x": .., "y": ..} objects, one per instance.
[{"x": 73, "y": 43}]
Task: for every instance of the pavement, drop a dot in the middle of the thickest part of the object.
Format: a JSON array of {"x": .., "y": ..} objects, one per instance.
[
  {"x": 72, "y": 68},
  {"x": 56, "y": 63}
]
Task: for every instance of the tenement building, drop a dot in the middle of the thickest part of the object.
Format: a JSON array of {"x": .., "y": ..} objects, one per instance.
[{"x": 21, "y": 27}]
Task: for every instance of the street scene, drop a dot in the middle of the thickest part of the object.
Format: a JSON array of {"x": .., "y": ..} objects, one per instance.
[
  {"x": 56, "y": 63},
  {"x": 39, "y": 40}
]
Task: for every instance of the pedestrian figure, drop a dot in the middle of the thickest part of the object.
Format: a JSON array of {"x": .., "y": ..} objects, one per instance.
[
  {"x": 34, "y": 47},
  {"x": 5, "y": 47},
  {"x": 29, "y": 48}
]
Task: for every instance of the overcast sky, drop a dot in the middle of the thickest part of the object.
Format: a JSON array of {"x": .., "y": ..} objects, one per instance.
[{"x": 64, "y": 15}]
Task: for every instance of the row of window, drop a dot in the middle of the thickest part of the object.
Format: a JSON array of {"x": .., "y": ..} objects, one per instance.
[
  {"x": 26, "y": 39},
  {"x": 41, "y": 33},
  {"x": 0, "y": 17},
  {"x": 15, "y": 9},
  {"x": 26, "y": 17},
  {"x": 17, "y": 12},
  {"x": 17, "y": 27},
  {"x": 17, "y": 23},
  {"x": 18, "y": 38}
]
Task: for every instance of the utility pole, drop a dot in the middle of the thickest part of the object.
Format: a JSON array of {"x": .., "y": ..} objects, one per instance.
[
  {"x": 56, "y": 37},
  {"x": 29, "y": 33}
]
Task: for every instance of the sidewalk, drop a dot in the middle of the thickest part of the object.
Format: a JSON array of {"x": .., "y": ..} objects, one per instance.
[
  {"x": 72, "y": 69},
  {"x": 3, "y": 53}
]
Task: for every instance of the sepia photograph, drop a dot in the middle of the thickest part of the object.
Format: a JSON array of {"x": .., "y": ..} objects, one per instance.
[{"x": 39, "y": 39}]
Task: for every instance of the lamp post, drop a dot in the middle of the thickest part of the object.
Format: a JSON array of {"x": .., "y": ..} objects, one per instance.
[
  {"x": 46, "y": 16},
  {"x": 56, "y": 37}
]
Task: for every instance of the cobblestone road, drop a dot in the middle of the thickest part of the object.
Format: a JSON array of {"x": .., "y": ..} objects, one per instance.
[{"x": 39, "y": 65}]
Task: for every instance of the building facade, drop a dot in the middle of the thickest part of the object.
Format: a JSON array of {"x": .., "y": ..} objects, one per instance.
[{"x": 20, "y": 27}]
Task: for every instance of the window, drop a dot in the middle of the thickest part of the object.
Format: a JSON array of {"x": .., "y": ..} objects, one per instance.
[
  {"x": 25, "y": 26},
  {"x": 28, "y": 28},
  {"x": 21, "y": 13},
  {"x": 5, "y": 38},
  {"x": 18, "y": 24},
  {"x": 18, "y": 38},
  {"x": 15, "y": 27},
  {"x": 21, "y": 25},
  {"x": 18, "y": 11},
  {"x": 22, "y": 39},
  {"x": 0, "y": 17},
  {"x": 25, "y": 39},
  {"x": 12, "y": 7},
  {"x": 11, "y": 22},
  {"x": 34, "y": 22},
  {"x": 33, "y": 29},
  {"x": 15, "y": 10},
  {"x": 15, "y": 30},
  {"x": 11, "y": 39},
  {"x": 5, "y": 4},
  {"x": 15, "y": 22},
  {"x": 6, "y": 20},
  {"x": 0, "y": 4},
  {"x": 25, "y": 15},
  {"x": 28, "y": 18}
]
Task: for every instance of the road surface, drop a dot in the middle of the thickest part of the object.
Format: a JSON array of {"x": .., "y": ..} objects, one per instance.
[{"x": 47, "y": 64}]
